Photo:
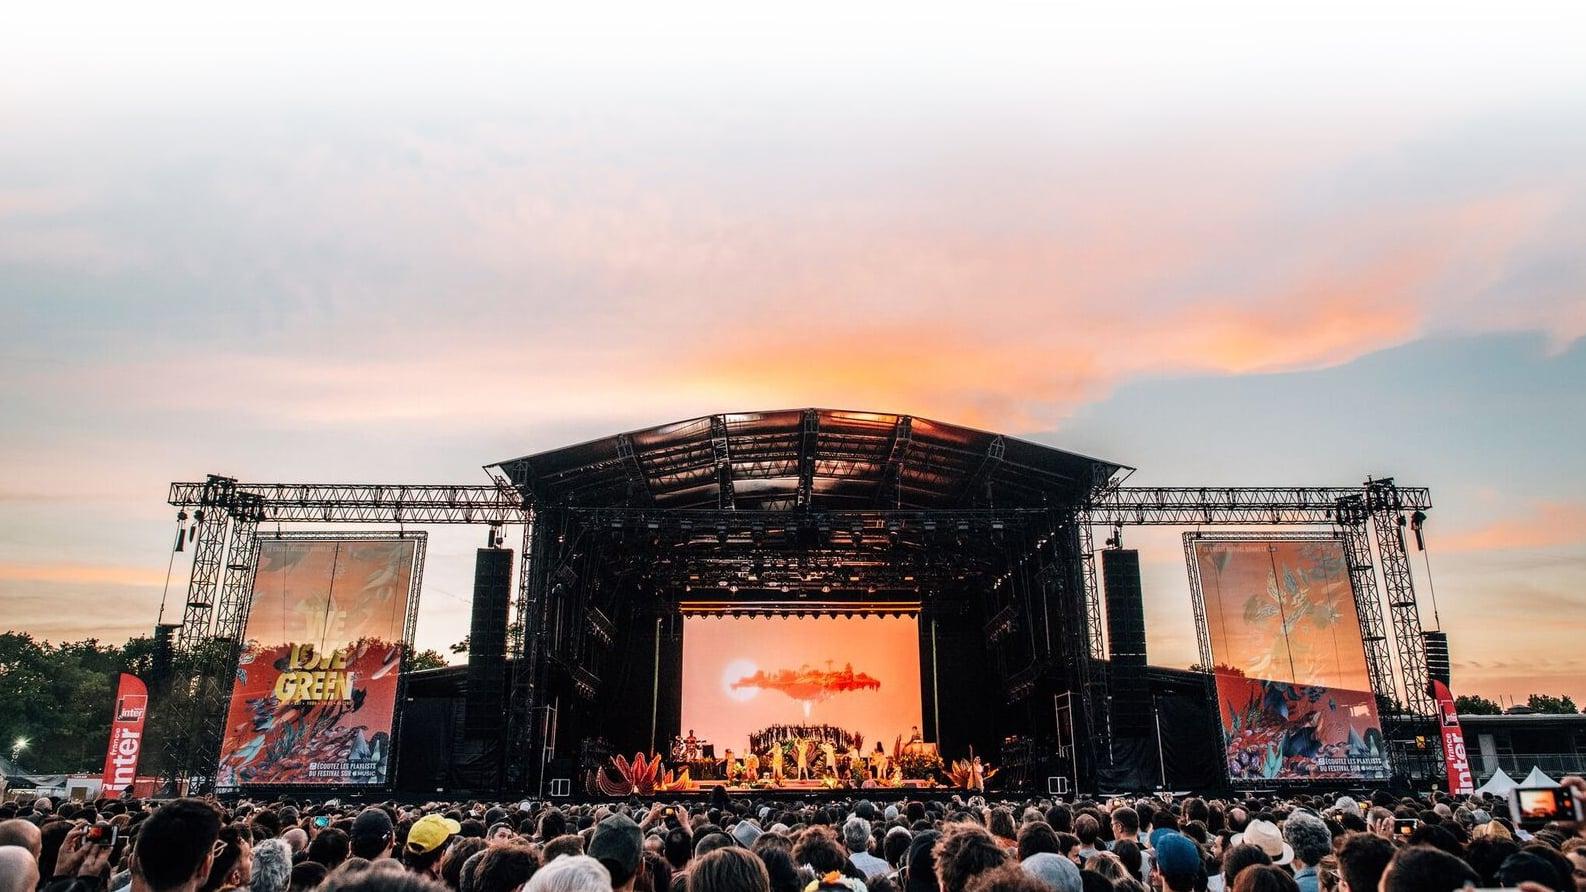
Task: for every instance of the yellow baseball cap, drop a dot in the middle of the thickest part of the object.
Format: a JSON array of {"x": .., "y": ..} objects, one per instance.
[{"x": 430, "y": 833}]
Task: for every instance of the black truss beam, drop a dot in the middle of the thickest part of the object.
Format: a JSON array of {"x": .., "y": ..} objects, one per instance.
[
  {"x": 502, "y": 504},
  {"x": 1243, "y": 505},
  {"x": 720, "y": 451},
  {"x": 975, "y": 487},
  {"x": 809, "y": 436},
  {"x": 887, "y": 491},
  {"x": 638, "y": 483},
  {"x": 372, "y": 502}
]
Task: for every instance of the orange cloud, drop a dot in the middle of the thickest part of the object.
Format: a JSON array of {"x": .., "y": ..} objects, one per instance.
[
  {"x": 81, "y": 574},
  {"x": 1547, "y": 525}
]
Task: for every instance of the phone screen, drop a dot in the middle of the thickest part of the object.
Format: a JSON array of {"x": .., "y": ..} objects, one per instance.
[
  {"x": 322, "y": 821},
  {"x": 1405, "y": 826},
  {"x": 1537, "y": 806}
]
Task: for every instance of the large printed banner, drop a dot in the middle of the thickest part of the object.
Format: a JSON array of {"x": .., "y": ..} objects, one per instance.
[
  {"x": 126, "y": 735},
  {"x": 1294, "y": 694},
  {"x": 315, "y": 694}
]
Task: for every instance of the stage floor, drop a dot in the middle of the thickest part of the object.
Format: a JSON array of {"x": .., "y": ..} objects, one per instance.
[{"x": 800, "y": 788}]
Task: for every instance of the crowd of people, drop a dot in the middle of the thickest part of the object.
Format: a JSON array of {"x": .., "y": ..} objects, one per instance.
[{"x": 1296, "y": 843}]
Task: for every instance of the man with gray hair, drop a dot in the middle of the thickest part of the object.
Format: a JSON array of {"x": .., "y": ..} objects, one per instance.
[
  {"x": 571, "y": 873},
  {"x": 1312, "y": 841},
  {"x": 272, "y": 866},
  {"x": 856, "y": 836},
  {"x": 19, "y": 872}
]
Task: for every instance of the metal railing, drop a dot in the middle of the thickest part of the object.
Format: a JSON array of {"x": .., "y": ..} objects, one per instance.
[{"x": 1518, "y": 765}]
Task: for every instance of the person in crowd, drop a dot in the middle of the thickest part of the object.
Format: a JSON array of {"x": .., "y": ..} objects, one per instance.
[
  {"x": 505, "y": 868},
  {"x": 1576, "y": 854},
  {"x": 1362, "y": 859},
  {"x": 729, "y": 870},
  {"x": 965, "y": 850},
  {"x": 1266, "y": 836},
  {"x": 1054, "y": 870},
  {"x": 23, "y": 833},
  {"x": 1009, "y": 877},
  {"x": 19, "y": 869},
  {"x": 1265, "y": 878},
  {"x": 572, "y": 873},
  {"x": 373, "y": 835},
  {"x": 177, "y": 847},
  {"x": 856, "y": 836},
  {"x": 1178, "y": 866},
  {"x": 1003, "y": 828},
  {"x": 329, "y": 847},
  {"x": 457, "y": 854},
  {"x": 1126, "y": 829},
  {"x": 1088, "y": 829},
  {"x": 1035, "y": 837},
  {"x": 233, "y": 866},
  {"x": 1425, "y": 869},
  {"x": 427, "y": 842},
  {"x": 618, "y": 844},
  {"x": 1234, "y": 860},
  {"x": 1310, "y": 840},
  {"x": 272, "y": 866},
  {"x": 307, "y": 876},
  {"x": 297, "y": 839}
]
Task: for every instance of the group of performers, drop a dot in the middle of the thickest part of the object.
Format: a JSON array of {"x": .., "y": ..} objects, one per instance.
[{"x": 799, "y": 758}]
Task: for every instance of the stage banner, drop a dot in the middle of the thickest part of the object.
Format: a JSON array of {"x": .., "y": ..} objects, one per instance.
[
  {"x": 126, "y": 735},
  {"x": 314, "y": 699},
  {"x": 1460, "y": 781},
  {"x": 1294, "y": 694}
]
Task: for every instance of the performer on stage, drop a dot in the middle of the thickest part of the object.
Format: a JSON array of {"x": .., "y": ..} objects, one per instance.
[
  {"x": 977, "y": 775},
  {"x": 801, "y": 757},
  {"x": 727, "y": 767},
  {"x": 830, "y": 752},
  {"x": 691, "y": 746},
  {"x": 878, "y": 762},
  {"x": 751, "y": 767},
  {"x": 776, "y": 761}
]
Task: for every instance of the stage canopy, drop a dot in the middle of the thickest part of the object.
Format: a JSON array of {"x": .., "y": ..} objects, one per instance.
[
  {"x": 809, "y": 458},
  {"x": 1498, "y": 785}
]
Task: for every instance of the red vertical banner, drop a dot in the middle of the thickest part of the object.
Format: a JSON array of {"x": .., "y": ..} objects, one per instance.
[
  {"x": 126, "y": 735},
  {"x": 1457, "y": 762}
]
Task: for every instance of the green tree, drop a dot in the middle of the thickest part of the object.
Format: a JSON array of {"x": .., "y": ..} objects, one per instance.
[
  {"x": 1475, "y": 704},
  {"x": 59, "y": 697},
  {"x": 425, "y": 659},
  {"x": 1547, "y": 703}
]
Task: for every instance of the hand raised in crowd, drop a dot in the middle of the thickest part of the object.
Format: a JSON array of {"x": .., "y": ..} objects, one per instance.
[{"x": 78, "y": 859}]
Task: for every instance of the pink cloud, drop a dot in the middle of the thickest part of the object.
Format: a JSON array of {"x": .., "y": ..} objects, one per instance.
[{"x": 1547, "y": 524}]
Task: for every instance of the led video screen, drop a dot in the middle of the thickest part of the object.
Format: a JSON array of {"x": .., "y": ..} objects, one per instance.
[
  {"x": 1294, "y": 694},
  {"x": 314, "y": 698},
  {"x": 742, "y": 675}
]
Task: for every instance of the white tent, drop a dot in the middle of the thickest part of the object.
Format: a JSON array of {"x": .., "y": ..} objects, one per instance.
[
  {"x": 1498, "y": 785},
  {"x": 1537, "y": 779}
]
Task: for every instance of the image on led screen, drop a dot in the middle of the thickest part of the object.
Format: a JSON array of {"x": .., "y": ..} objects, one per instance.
[{"x": 745, "y": 675}]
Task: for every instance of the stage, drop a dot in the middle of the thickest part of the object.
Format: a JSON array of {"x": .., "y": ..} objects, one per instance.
[{"x": 793, "y": 584}]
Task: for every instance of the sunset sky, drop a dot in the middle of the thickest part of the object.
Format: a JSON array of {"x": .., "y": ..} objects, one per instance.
[{"x": 1236, "y": 248}]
